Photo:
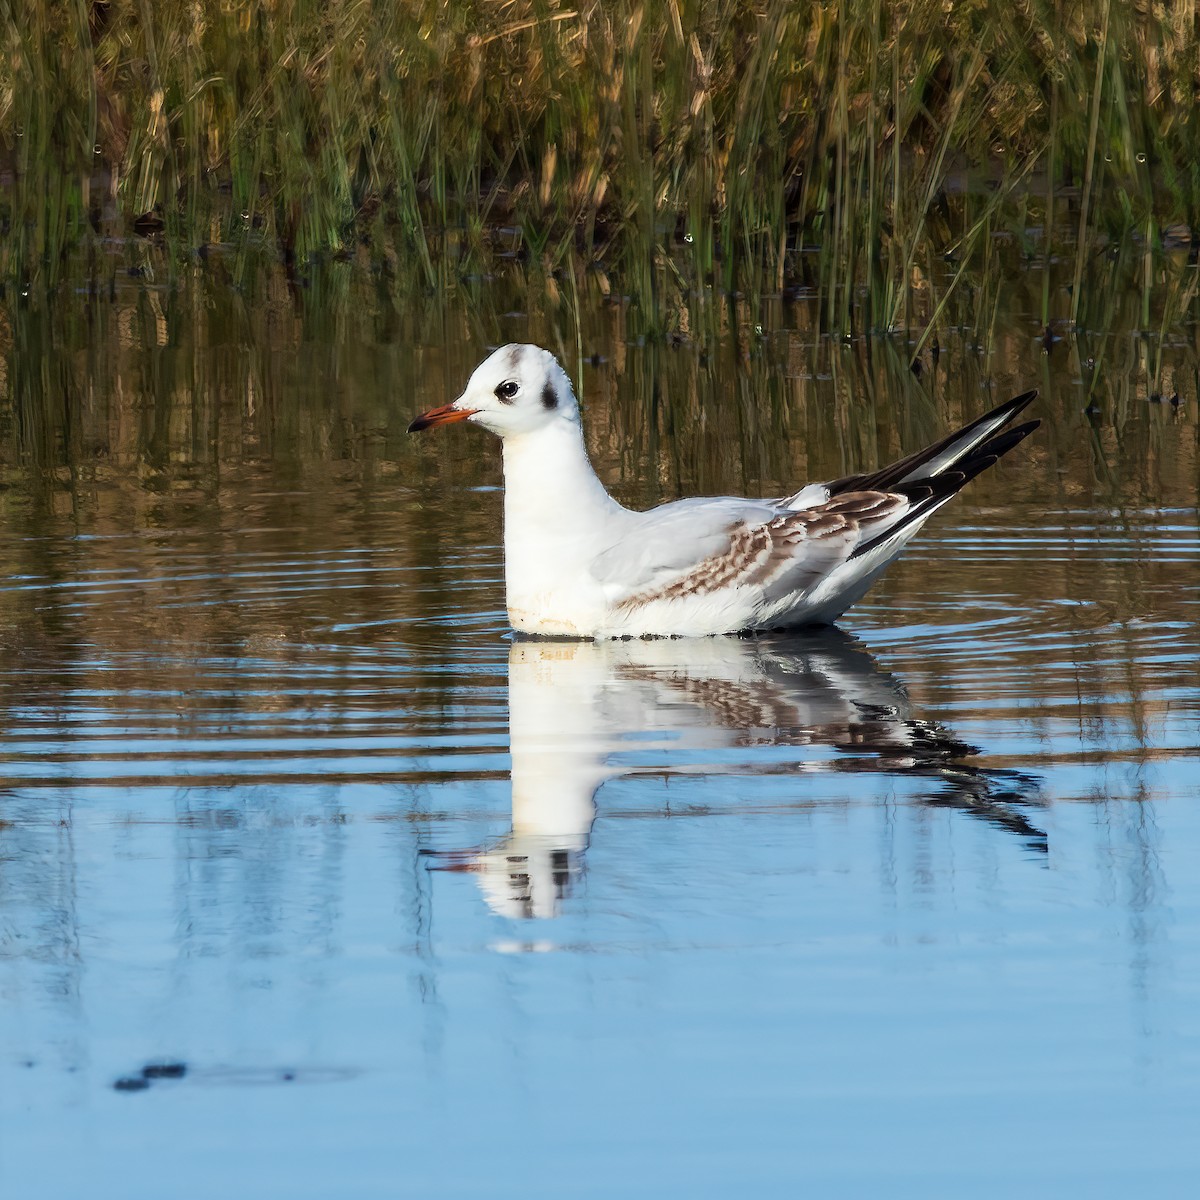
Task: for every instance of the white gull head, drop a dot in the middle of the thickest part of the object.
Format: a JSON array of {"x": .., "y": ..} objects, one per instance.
[{"x": 516, "y": 389}]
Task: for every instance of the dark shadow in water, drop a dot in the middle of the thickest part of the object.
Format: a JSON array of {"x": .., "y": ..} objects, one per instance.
[{"x": 702, "y": 707}]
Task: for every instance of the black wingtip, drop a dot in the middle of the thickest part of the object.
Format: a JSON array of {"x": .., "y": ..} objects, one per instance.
[
  {"x": 889, "y": 477},
  {"x": 1009, "y": 408},
  {"x": 926, "y": 494},
  {"x": 1002, "y": 442},
  {"x": 988, "y": 453},
  {"x": 1024, "y": 400}
]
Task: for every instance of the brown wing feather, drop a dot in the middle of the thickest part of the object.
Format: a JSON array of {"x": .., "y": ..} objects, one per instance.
[{"x": 799, "y": 548}]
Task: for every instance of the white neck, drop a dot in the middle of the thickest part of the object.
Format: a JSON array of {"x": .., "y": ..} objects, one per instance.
[
  {"x": 557, "y": 518},
  {"x": 548, "y": 480}
]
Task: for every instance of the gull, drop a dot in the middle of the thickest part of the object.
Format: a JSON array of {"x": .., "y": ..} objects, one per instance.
[{"x": 577, "y": 564}]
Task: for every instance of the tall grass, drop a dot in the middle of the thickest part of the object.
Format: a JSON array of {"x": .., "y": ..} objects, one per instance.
[{"x": 717, "y": 138}]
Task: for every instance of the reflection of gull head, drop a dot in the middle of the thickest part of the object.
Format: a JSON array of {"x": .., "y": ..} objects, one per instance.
[
  {"x": 576, "y": 709},
  {"x": 560, "y": 745},
  {"x": 527, "y": 875}
]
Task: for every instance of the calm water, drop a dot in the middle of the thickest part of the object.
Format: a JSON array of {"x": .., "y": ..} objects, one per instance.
[{"x": 408, "y": 907}]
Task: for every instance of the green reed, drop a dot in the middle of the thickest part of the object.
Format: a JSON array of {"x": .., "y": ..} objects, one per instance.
[{"x": 679, "y": 142}]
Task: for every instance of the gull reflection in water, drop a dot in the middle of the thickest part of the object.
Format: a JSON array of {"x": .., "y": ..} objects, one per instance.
[{"x": 576, "y": 709}]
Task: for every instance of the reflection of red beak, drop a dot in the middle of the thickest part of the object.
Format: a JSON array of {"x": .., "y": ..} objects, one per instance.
[{"x": 441, "y": 416}]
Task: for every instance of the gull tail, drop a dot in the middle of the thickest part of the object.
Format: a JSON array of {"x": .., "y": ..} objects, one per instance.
[
  {"x": 954, "y": 463},
  {"x": 951, "y": 453},
  {"x": 927, "y": 480}
]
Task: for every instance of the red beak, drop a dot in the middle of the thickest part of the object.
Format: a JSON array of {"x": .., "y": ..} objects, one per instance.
[{"x": 440, "y": 416}]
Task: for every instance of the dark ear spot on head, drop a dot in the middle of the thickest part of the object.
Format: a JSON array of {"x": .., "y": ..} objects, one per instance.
[
  {"x": 549, "y": 397},
  {"x": 514, "y": 357}
]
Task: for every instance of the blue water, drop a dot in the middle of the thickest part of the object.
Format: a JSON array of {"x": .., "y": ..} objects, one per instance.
[
  {"x": 315, "y": 883},
  {"x": 420, "y": 910}
]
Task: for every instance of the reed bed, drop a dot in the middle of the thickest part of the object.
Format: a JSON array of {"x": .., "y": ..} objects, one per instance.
[{"x": 845, "y": 149}]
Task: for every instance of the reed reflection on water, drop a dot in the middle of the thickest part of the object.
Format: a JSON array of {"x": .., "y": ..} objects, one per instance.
[{"x": 265, "y": 741}]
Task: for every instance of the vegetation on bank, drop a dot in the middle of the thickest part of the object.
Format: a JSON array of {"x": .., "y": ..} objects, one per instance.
[{"x": 843, "y": 146}]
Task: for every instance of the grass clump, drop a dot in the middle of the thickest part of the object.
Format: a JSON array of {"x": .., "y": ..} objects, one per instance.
[{"x": 729, "y": 136}]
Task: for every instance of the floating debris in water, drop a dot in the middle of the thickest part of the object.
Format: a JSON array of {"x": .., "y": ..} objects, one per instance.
[
  {"x": 164, "y": 1070},
  {"x": 131, "y": 1083},
  {"x": 244, "y": 1076},
  {"x": 150, "y": 1073}
]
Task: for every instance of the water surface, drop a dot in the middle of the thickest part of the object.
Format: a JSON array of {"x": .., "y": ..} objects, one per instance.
[{"x": 401, "y": 905}]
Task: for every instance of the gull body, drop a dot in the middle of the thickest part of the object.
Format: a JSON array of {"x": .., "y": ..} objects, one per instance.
[{"x": 578, "y": 564}]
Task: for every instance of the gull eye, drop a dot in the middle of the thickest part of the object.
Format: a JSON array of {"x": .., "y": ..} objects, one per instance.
[{"x": 507, "y": 390}]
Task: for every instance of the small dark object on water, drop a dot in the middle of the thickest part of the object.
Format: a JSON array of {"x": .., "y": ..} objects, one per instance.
[
  {"x": 287, "y": 1076},
  {"x": 1155, "y": 398},
  {"x": 149, "y": 1073},
  {"x": 1175, "y": 400},
  {"x": 164, "y": 1070}
]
